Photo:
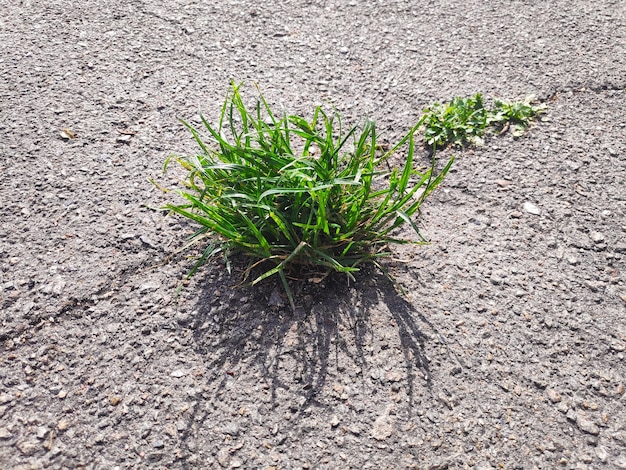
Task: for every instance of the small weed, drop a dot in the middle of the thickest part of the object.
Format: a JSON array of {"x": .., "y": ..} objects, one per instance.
[
  {"x": 459, "y": 122},
  {"x": 298, "y": 193},
  {"x": 465, "y": 121},
  {"x": 518, "y": 115}
]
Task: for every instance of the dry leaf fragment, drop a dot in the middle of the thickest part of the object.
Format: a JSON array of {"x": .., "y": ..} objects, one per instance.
[
  {"x": 505, "y": 128},
  {"x": 67, "y": 134},
  {"x": 125, "y": 132}
]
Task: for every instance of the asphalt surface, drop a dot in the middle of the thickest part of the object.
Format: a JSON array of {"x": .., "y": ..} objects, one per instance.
[{"x": 507, "y": 352}]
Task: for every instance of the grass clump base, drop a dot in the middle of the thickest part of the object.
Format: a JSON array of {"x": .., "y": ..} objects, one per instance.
[{"x": 299, "y": 193}]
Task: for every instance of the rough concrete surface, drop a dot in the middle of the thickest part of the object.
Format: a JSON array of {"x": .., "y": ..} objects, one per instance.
[{"x": 508, "y": 350}]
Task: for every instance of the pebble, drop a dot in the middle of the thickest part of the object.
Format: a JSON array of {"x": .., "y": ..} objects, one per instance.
[
  {"x": 595, "y": 286},
  {"x": 571, "y": 414},
  {"x": 113, "y": 327},
  {"x": 62, "y": 394},
  {"x": 343, "y": 50},
  {"x": 41, "y": 432},
  {"x": 114, "y": 400},
  {"x": 586, "y": 425},
  {"x": 5, "y": 434},
  {"x": 154, "y": 457},
  {"x": 531, "y": 208},
  {"x": 382, "y": 429},
  {"x": 602, "y": 454},
  {"x": 28, "y": 447},
  {"x": 146, "y": 429},
  {"x": 222, "y": 457},
  {"x": 516, "y": 215},
  {"x": 354, "y": 429},
  {"x": 158, "y": 444},
  {"x": 553, "y": 395},
  {"x": 394, "y": 376},
  {"x": 178, "y": 373},
  {"x": 149, "y": 286},
  {"x": 573, "y": 165},
  {"x": 334, "y": 421},
  {"x": 484, "y": 466},
  {"x": 498, "y": 277},
  {"x": 620, "y": 436},
  {"x": 53, "y": 287},
  {"x": 184, "y": 318},
  {"x": 231, "y": 429},
  {"x": 597, "y": 237},
  {"x": 146, "y": 241},
  {"x": 62, "y": 425}
]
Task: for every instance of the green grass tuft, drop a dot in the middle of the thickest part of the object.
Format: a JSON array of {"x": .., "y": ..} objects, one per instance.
[{"x": 295, "y": 192}]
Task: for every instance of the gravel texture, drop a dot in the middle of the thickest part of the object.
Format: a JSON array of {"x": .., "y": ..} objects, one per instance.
[{"x": 507, "y": 352}]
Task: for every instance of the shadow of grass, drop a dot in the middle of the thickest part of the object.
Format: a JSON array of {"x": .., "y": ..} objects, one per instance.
[
  {"x": 239, "y": 334},
  {"x": 237, "y": 328}
]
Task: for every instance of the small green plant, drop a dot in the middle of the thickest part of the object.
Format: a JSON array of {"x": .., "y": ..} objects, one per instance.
[
  {"x": 517, "y": 115},
  {"x": 459, "y": 122},
  {"x": 465, "y": 121},
  {"x": 298, "y": 193}
]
